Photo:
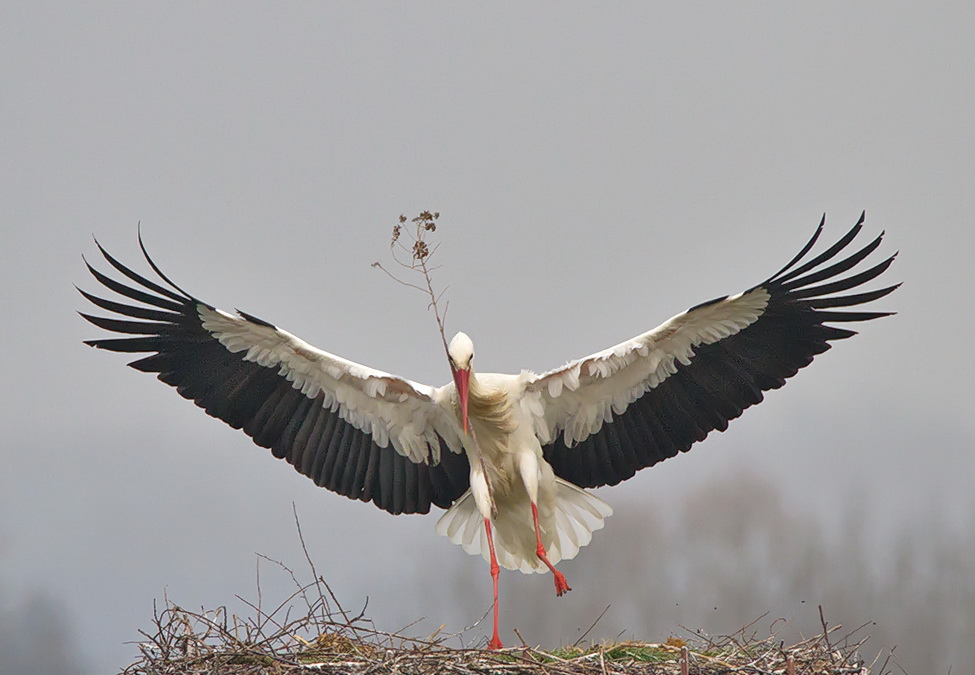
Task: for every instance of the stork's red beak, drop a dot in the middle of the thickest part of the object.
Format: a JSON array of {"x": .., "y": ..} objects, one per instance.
[{"x": 462, "y": 379}]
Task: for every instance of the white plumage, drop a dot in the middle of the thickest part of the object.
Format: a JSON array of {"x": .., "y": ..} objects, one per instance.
[
  {"x": 568, "y": 522},
  {"x": 507, "y": 456}
]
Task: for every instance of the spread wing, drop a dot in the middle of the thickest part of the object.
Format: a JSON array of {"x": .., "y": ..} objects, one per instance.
[
  {"x": 359, "y": 432},
  {"x": 602, "y": 418}
]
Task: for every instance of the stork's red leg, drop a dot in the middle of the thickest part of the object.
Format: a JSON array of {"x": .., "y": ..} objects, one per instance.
[
  {"x": 495, "y": 642},
  {"x": 561, "y": 585}
]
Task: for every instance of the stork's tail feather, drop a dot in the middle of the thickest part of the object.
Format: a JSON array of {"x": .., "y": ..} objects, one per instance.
[{"x": 577, "y": 515}]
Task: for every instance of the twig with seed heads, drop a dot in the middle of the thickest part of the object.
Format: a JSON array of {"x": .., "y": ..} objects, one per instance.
[
  {"x": 419, "y": 253},
  {"x": 413, "y": 253}
]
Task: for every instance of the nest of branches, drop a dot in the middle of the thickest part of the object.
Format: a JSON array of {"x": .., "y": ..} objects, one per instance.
[
  {"x": 328, "y": 639},
  {"x": 310, "y": 631}
]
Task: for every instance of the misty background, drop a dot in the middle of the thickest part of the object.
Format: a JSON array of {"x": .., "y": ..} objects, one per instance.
[{"x": 598, "y": 169}]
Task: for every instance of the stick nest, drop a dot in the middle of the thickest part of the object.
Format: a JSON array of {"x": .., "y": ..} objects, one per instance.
[
  {"x": 322, "y": 636},
  {"x": 328, "y": 639}
]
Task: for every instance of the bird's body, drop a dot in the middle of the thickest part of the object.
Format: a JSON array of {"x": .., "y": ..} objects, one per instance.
[
  {"x": 507, "y": 456},
  {"x": 508, "y": 472}
]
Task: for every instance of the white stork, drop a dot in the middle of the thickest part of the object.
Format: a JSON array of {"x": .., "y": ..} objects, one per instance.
[{"x": 512, "y": 453}]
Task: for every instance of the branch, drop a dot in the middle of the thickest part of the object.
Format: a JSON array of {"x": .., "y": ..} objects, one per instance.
[
  {"x": 412, "y": 240},
  {"x": 420, "y": 254}
]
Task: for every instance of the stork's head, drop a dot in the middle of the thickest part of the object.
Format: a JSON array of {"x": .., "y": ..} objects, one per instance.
[{"x": 460, "y": 351}]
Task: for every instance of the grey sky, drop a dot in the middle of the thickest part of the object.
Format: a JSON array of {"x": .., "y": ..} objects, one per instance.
[{"x": 598, "y": 167}]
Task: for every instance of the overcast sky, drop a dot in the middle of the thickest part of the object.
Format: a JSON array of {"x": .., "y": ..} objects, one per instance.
[{"x": 598, "y": 167}]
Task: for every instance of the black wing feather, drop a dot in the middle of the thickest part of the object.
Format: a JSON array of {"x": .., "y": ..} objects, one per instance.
[
  {"x": 728, "y": 376},
  {"x": 311, "y": 437},
  {"x": 825, "y": 256}
]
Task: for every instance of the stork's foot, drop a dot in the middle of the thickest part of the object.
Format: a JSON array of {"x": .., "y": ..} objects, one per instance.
[
  {"x": 561, "y": 585},
  {"x": 495, "y": 643}
]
